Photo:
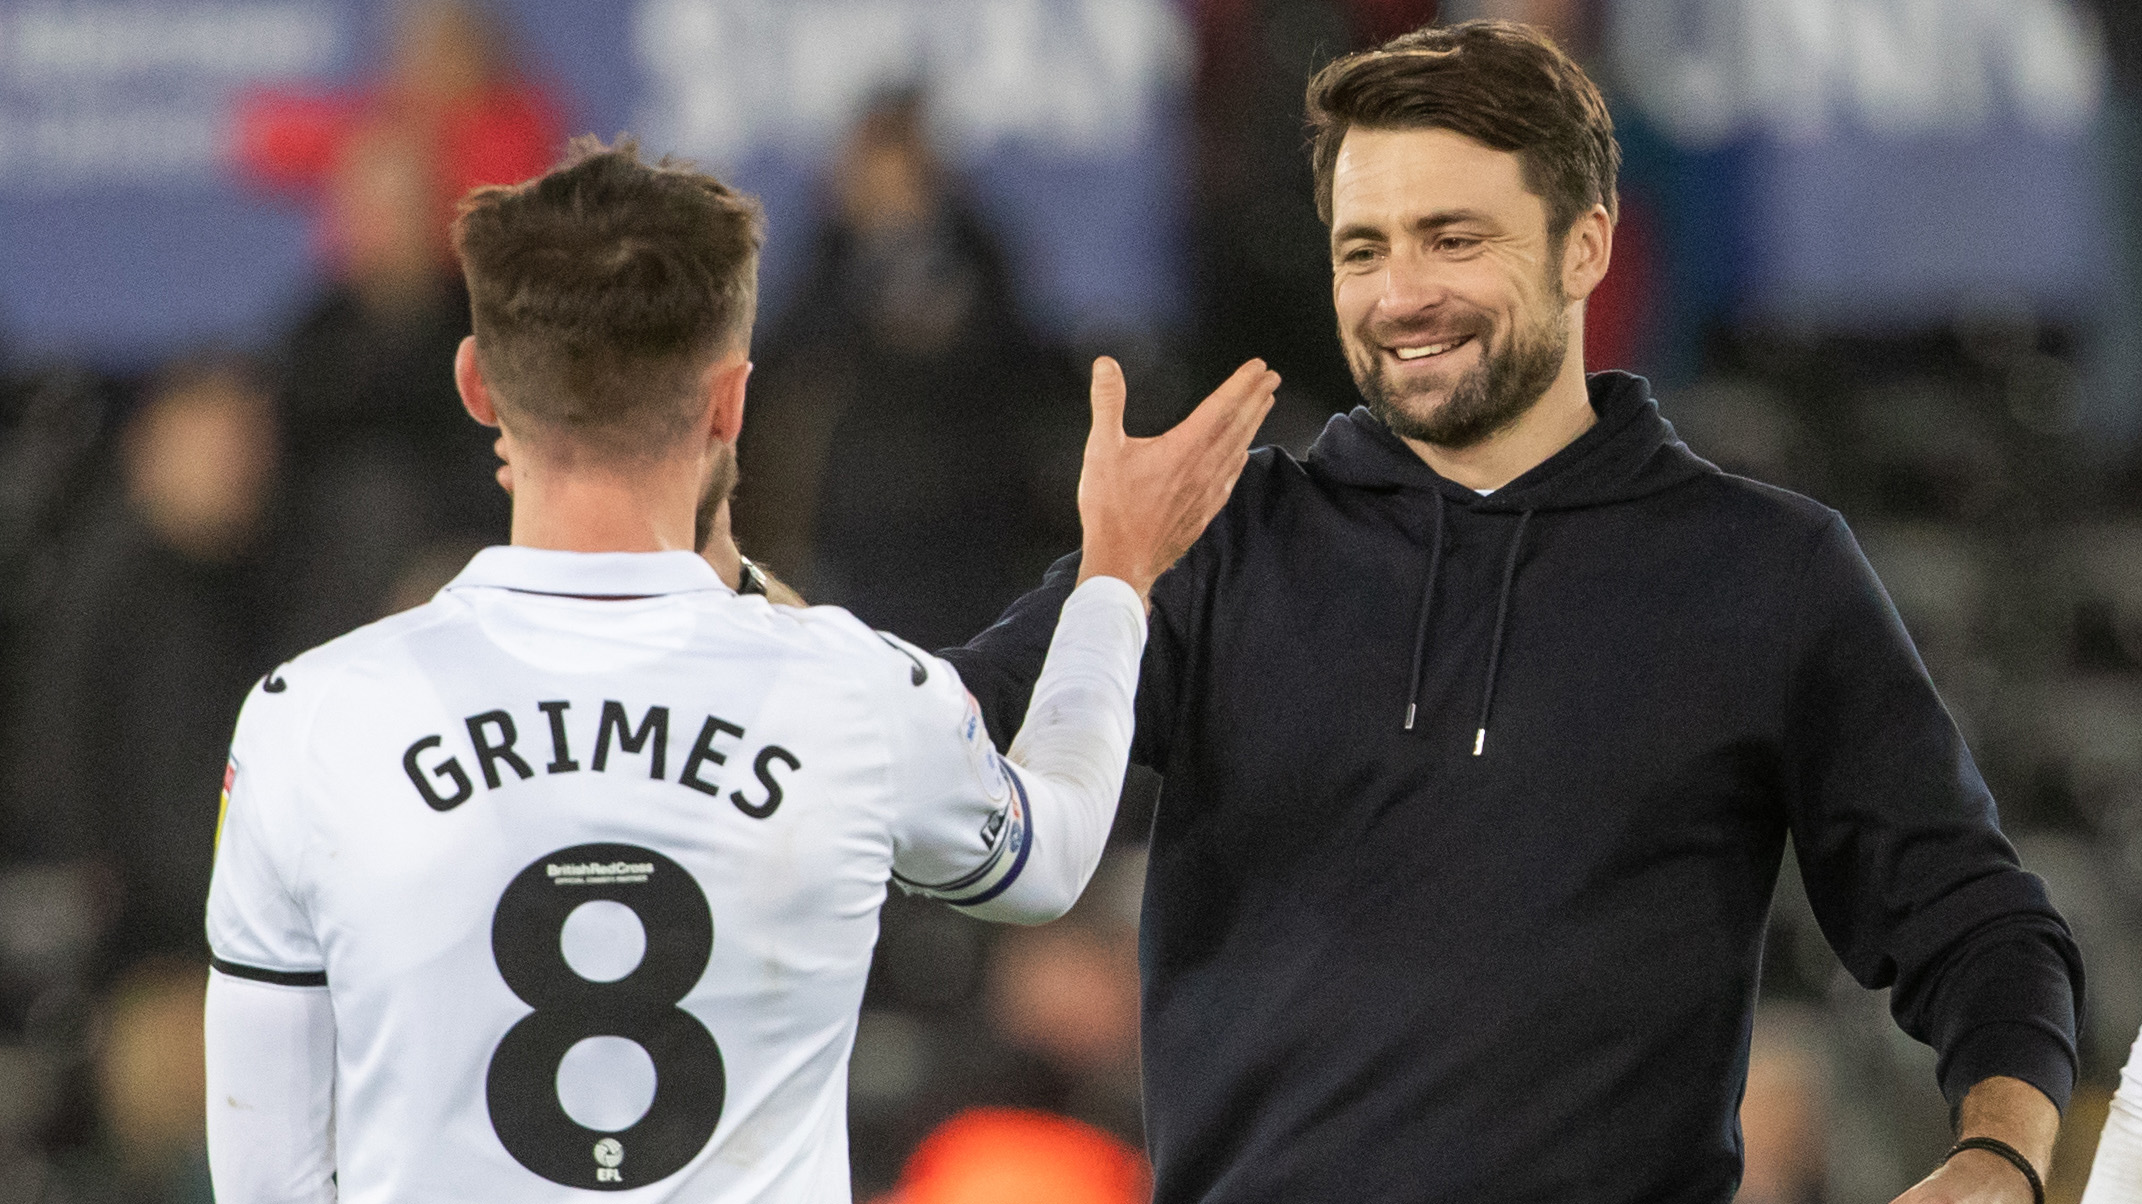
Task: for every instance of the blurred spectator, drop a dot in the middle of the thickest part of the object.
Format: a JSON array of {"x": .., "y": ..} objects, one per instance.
[
  {"x": 1070, "y": 995},
  {"x": 51, "y": 423},
  {"x": 998, "y": 1155},
  {"x": 148, "y": 636},
  {"x": 449, "y": 86},
  {"x": 1784, "y": 1114},
  {"x": 912, "y": 449},
  {"x": 384, "y": 461},
  {"x": 1064, "y": 996},
  {"x": 150, "y": 1089}
]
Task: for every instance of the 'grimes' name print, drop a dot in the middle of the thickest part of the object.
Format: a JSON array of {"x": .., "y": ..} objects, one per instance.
[{"x": 494, "y": 737}]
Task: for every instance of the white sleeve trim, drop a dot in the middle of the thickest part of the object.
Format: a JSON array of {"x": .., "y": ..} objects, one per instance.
[
  {"x": 2116, "y": 1175},
  {"x": 1068, "y": 759},
  {"x": 271, "y": 1091}
]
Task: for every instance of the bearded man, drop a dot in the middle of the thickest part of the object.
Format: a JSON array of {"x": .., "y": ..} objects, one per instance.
[{"x": 1484, "y": 725}]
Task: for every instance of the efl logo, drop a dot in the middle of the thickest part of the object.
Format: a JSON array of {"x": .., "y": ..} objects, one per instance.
[{"x": 609, "y": 1155}]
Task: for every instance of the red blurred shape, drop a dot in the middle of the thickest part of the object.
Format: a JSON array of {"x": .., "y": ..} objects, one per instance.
[
  {"x": 1016, "y": 1156},
  {"x": 1616, "y": 316},
  {"x": 291, "y": 140}
]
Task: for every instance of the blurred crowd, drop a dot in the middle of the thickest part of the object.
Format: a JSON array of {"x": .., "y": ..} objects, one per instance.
[{"x": 167, "y": 538}]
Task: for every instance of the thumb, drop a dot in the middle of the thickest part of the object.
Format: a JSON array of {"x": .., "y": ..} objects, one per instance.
[{"x": 1108, "y": 396}]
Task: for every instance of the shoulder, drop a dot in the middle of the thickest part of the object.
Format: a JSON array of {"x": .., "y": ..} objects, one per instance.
[
  {"x": 1272, "y": 472},
  {"x": 283, "y": 703},
  {"x": 1770, "y": 540},
  {"x": 1742, "y": 509},
  {"x": 1273, "y": 483},
  {"x": 903, "y": 693},
  {"x": 377, "y": 641},
  {"x": 835, "y": 639}
]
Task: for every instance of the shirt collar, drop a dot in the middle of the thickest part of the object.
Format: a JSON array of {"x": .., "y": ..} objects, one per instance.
[{"x": 588, "y": 574}]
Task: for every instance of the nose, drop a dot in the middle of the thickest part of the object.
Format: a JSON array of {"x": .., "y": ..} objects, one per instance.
[{"x": 1413, "y": 284}]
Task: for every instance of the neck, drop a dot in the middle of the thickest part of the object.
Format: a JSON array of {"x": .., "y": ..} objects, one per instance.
[
  {"x": 1562, "y": 413},
  {"x": 580, "y": 508}
]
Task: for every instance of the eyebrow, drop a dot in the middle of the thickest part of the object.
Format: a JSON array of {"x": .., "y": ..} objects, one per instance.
[{"x": 1427, "y": 223}]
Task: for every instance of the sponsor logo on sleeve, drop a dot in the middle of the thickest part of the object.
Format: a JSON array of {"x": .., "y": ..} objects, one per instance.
[{"x": 223, "y": 804}]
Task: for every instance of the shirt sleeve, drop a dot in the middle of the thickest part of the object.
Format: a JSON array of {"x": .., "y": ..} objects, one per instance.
[
  {"x": 2116, "y": 1174},
  {"x": 271, "y": 1089},
  {"x": 1901, "y": 849},
  {"x": 258, "y": 927},
  {"x": 1016, "y": 838}
]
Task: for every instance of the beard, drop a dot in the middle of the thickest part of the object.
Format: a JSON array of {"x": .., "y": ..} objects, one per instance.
[
  {"x": 721, "y": 482},
  {"x": 1490, "y": 397}
]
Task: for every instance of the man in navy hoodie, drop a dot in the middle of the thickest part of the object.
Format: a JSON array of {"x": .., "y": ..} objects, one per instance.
[{"x": 1483, "y": 728}]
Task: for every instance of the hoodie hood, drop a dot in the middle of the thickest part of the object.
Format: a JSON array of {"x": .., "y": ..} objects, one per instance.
[{"x": 1631, "y": 452}]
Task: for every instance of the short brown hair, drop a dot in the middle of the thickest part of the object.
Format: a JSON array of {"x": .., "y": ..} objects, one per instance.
[
  {"x": 601, "y": 290},
  {"x": 1502, "y": 84}
]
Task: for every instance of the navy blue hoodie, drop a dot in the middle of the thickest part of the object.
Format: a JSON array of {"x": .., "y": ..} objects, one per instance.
[{"x": 1473, "y": 808}]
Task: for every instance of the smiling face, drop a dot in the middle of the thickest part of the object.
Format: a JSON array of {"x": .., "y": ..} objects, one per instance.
[{"x": 1449, "y": 291}]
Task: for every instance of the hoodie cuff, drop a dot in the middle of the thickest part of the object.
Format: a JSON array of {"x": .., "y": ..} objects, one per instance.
[{"x": 2043, "y": 1059}]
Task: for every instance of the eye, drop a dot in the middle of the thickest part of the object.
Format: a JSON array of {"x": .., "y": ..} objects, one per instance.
[
  {"x": 1456, "y": 242},
  {"x": 1358, "y": 255}
]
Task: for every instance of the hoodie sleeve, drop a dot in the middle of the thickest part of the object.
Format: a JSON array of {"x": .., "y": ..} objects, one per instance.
[
  {"x": 1905, "y": 864},
  {"x": 1001, "y": 665}
]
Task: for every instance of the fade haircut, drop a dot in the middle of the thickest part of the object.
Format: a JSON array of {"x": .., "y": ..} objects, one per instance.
[
  {"x": 1502, "y": 84},
  {"x": 602, "y": 290}
]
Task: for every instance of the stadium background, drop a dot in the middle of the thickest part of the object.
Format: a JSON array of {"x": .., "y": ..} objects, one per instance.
[{"x": 1885, "y": 252}]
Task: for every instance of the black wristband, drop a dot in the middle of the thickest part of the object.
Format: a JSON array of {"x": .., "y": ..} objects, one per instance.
[{"x": 1994, "y": 1145}]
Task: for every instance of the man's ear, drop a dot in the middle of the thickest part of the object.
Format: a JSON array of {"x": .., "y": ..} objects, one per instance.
[
  {"x": 725, "y": 398},
  {"x": 1586, "y": 252},
  {"x": 468, "y": 378}
]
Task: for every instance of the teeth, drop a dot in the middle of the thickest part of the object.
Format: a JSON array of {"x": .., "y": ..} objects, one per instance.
[{"x": 1414, "y": 353}]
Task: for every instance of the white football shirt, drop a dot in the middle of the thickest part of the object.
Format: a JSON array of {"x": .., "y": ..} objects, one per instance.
[{"x": 588, "y": 854}]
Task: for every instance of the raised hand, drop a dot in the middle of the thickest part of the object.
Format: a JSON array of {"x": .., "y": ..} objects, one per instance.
[{"x": 1143, "y": 502}]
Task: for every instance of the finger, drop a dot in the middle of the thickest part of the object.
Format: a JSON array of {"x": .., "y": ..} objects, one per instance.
[
  {"x": 1233, "y": 392},
  {"x": 1108, "y": 395},
  {"x": 1251, "y": 414},
  {"x": 1241, "y": 424}
]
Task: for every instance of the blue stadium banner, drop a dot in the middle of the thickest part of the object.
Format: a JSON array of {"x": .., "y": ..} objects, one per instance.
[
  {"x": 1892, "y": 161},
  {"x": 130, "y": 235}
]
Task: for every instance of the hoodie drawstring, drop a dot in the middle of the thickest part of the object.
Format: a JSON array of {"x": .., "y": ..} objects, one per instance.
[
  {"x": 1502, "y": 615},
  {"x": 1420, "y": 637},
  {"x": 1502, "y": 619}
]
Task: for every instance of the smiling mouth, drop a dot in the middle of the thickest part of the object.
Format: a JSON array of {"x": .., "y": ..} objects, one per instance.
[{"x": 1431, "y": 350}]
